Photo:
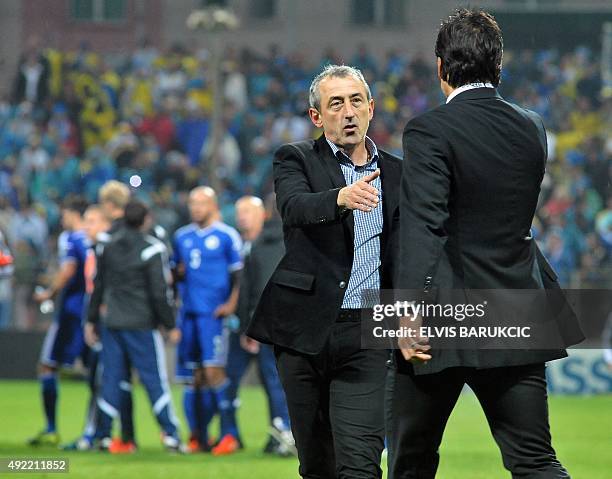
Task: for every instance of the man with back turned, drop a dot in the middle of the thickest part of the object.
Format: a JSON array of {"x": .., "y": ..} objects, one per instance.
[
  {"x": 133, "y": 283},
  {"x": 471, "y": 178}
]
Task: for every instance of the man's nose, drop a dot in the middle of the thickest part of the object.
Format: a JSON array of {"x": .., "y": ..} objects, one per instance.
[{"x": 349, "y": 112}]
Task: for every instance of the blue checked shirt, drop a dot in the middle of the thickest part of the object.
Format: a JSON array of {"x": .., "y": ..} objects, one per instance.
[{"x": 365, "y": 278}]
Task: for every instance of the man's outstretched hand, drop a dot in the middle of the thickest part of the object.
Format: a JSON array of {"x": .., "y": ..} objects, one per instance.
[{"x": 360, "y": 195}]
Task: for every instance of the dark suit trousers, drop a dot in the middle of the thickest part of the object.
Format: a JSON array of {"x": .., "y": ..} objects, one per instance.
[
  {"x": 336, "y": 405},
  {"x": 514, "y": 401}
]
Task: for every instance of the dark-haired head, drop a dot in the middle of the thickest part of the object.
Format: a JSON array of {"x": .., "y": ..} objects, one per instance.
[
  {"x": 470, "y": 48},
  {"x": 73, "y": 209},
  {"x": 135, "y": 214},
  {"x": 76, "y": 204}
]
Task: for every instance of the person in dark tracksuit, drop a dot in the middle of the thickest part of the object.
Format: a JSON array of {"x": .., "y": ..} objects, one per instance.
[
  {"x": 113, "y": 196},
  {"x": 265, "y": 254},
  {"x": 133, "y": 282}
]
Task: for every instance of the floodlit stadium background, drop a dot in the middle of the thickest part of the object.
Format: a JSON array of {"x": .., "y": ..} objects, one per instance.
[{"x": 136, "y": 92}]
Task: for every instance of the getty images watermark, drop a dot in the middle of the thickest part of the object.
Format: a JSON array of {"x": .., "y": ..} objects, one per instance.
[
  {"x": 416, "y": 314},
  {"x": 486, "y": 318}
]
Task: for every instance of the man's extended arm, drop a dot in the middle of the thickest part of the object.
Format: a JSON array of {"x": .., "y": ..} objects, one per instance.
[
  {"x": 300, "y": 206},
  {"x": 66, "y": 272},
  {"x": 297, "y": 204}
]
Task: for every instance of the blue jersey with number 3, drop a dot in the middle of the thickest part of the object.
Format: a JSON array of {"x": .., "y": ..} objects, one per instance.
[{"x": 209, "y": 256}]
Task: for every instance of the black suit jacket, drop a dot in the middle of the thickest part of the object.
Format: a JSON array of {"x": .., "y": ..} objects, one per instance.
[
  {"x": 303, "y": 297},
  {"x": 470, "y": 184}
]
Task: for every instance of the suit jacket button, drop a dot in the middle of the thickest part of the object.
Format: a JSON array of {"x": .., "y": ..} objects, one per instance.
[{"x": 342, "y": 284}]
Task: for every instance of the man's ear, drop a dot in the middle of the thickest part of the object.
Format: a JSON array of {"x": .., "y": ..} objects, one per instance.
[
  {"x": 315, "y": 117},
  {"x": 439, "y": 61}
]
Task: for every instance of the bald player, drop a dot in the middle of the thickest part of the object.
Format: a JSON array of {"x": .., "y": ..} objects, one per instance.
[
  {"x": 95, "y": 222},
  {"x": 261, "y": 231},
  {"x": 250, "y": 217},
  {"x": 207, "y": 262}
]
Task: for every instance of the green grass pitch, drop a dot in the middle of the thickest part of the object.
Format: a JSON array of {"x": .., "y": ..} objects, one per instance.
[{"x": 581, "y": 426}]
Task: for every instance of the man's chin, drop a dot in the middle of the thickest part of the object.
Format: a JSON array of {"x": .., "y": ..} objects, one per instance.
[{"x": 351, "y": 141}]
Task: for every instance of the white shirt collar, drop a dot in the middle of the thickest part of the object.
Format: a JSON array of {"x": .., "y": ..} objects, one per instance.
[{"x": 469, "y": 86}]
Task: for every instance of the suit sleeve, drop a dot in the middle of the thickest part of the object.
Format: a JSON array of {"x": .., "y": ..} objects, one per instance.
[
  {"x": 424, "y": 193},
  {"x": 541, "y": 132},
  {"x": 160, "y": 292},
  {"x": 297, "y": 203}
]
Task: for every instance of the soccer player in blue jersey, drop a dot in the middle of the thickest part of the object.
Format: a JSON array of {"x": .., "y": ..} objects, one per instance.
[
  {"x": 95, "y": 224},
  {"x": 207, "y": 261},
  {"x": 64, "y": 340}
]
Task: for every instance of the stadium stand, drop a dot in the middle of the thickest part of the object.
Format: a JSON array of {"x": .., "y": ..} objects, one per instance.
[{"x": 77, "y": 119}]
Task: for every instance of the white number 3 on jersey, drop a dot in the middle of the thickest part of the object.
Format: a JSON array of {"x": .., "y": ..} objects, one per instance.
[{"x": 195, "y": 258}]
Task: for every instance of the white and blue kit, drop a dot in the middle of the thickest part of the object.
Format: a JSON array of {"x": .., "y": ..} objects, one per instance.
[
  {"x": 210, "y": 255},
  {"x": 64, "y": 341}
]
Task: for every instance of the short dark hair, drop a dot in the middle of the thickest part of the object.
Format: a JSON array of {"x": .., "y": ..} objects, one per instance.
[
  {"x": 471, "y": 47},
  {"x": 135, "y": 214},
  {"x": 77, "y": 204}
]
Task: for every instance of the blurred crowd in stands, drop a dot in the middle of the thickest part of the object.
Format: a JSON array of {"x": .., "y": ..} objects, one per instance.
[{"x": 75, "y": 119}]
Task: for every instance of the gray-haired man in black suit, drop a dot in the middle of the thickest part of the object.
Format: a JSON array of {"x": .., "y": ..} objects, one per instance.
[{"x": 337, "y": 197}]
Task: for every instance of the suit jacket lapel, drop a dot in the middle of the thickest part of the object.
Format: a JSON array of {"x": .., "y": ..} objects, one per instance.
[
  {"x": 332, "y": 167},
  {"x": 330, "y": 163}
]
